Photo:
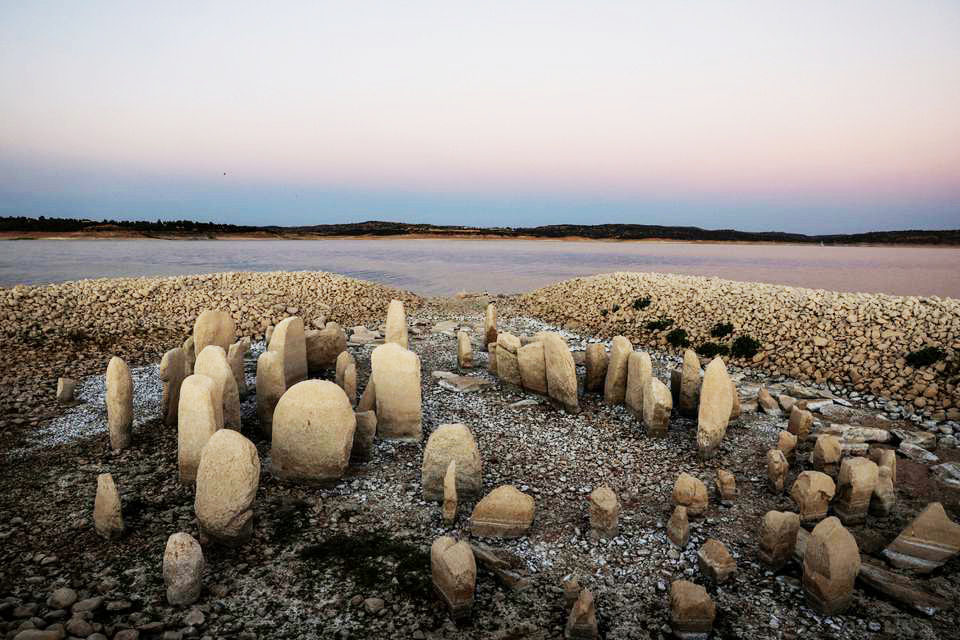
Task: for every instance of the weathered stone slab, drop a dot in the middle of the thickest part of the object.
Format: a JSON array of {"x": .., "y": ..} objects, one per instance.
[
  {"x": 715, "y": 561},
  {"x": 172, "y": 370},
  {"x": 119, "y": 403},
  {"x": 324, "y": 345},
  {"x": 678, "y": 527},
  {"x": 396, "y": 374},
  {"x": 657, "y": 406},
  {"x": 596, "y": 364},
  {"x": 490, "y": 325},
  {"x": 183, "y": 566},
  {"x": 604, "y": 512},
  {"x": 196, "y": 424},
  {"x": 691, "y": 610},
  {"x": 107, "y": 515},
  {"x": 213, "y": 328},
  {"x": 561, "y": 372},
  {"x": 396, "y": 329},
  {"x": 271, "y": 385},
  {"x": 505, "y": 512},
  {"x": 691, "y": 493},
  {"x": 714, "y": 408},
  {"x": 690, "y": 379},
  {"x": 778, "y": 538},
  {"x": 615, "y": 383},
  {"x": 508, "y": 369},
  {"x": 212, "y": 362},
  {"x": 639, "y": 372},
  {"x": 451, "y": 442},
  {"x": 227, "y": 481},
  {"x": 290, "y": 342},
  {"x": 533, "y": 367},
  {"x": 927, "y": 543},
  {"x": 855, "y": 485},
  {"x": 830, "y": 566},
  {"x": 812, "y": 492},
  {"x": 454, "y": 572}
]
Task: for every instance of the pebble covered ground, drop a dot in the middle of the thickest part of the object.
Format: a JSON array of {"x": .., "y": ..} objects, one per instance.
[{"x": 352, "y": 560}]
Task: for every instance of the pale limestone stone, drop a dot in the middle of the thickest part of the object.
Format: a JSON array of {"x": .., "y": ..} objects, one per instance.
[
  {"x": 454, "y": 571},
  {"x": 289, "y": 340},
  {"x": 691, "y": 610},
  {"x": 596, "y": 363},
  {"x": 346, "y": 375},
  {"x": 267, "y": 335},
  {"x": 639, "y": 372},
  {"x": 490, "y": 325},
  {"x": 582, "y": 621},
  {"x": 726, "y": 486},
  {"x": 364, "y": 435},
  {"x": 183, "y": 566},
  {"x": 855, "y": 485},
  {"x": 505, "y": 512},
  {"x": 197, "y": 421},
  {"x": 324, "y": 345},
  {"x": 508, "y": 368},
  {"x": 777, "y": 468},
  {"x": 172, "y": 368},
  {"x": 778, "y": 538},
  {"x": 886, "y": 458},
  {"x": 561, "y": 372},
  {"x": 787, "y": 443},
  {"x": 396, "y": 374},
  {"x": 533, "y": 368},
  {"x": 615, "y": 384},
  {"x": 213, "y": 328},
  {"x": 604, "y": 512},
  {"x": 678, "y": 527},
  {"x": 690, "y": 377},
  {"x": 451, "y": 442},
  {"x": 271, "y": 385},
  {"x": 571, "y": 591},
  {"x": 65, "y": 390},
  {"x": 235, "y": 355},
  {"x": 119, "y": 404},
  {"x": 831, "y": 562},
  {"x": 396, "y": 330},
  {"x": 929, "y": 542},
  {"x": 368, "y": 401},
  {"x": 800, "y": 422},
  {"x": 450, "y": 497},
  {"x": 735, "y": 395},
  {"x": 767, "y": 404},
  {"x": 826, "y": 455},
  {"x": 657, "y": 406},
  {"x": 715, "y": 561},
  {"x": 492, "y": 358},
  {"x": 189, "y": 356},
  {"x": 107, "y": 516},
  {"x": 464, "y": 350},
  {"x": 212, "y": 362},
  {"x": 812, "y": 492},
  {"x": 691, "y": 493},
  {"x": 227, "y": 481},
  {"x": 313, "y": 427},
  {"x": 884, "y": 498},
  {"x": 714, "y": 411}
]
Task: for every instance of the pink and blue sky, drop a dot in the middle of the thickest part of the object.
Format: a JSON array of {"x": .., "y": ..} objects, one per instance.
[{"x": 816, "y": 116}]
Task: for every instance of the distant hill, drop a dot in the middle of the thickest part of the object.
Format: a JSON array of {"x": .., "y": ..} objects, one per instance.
[{"x": 174, "y": 229}]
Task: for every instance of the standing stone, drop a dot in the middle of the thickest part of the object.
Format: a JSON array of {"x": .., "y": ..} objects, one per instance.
[
  {"x": 615, "y": 384},
  {"x": 505, "y": 512},
  {"x": 678, "y": 527},
  {"x": 886, "y": 458},
  {"x": 450, "y": 498},
  {"x": 213, "y": 328},
  {"x": 726, "y": 486},
  {"x": 368, "y": 401},
  {"x": 396, "y": 330},
  {"x": 929, "y": 542},
  {"x": 447, "y": 443},
  {"x": 826, "y": 455},
  {"x": 508, "y": 369},
  {"x": 65, "y": 390},
  {"x": 735, "y": 395},
  {"x": 212, "y": 362},
  {"x": 454, "y": 571},
  {"x": 198, "y": 420},
  {"x": 561, "y": 372},
  {"x": 533, "y": 368},
  {"x": 800, "y": 422},
  {"x": 778, "y": 538},
  {"x": 639, "y": 372},
  {"x": 490, "y": 325},
  {"x": 604, "y": 512},
  {"x": 235, "y": 355},
  {"x": 596, "y": 363},
  {"x": 787, "y": 443},
  {"x": 691, "y": 493},
  {"x": 189, "y": 356},
  {"x": 690, "y": 376},
  {"x": 346, "y": 375},
  {"x": 119, "y": 403},
  {"x": 777, "y": 468},
  {"x": 183, "y": 566},
  {"x": 691, "y": 610},
  {"x": 492, "y": 358},
  {"x": 714, "y": 410},
  {"x": 324, "y": 345},
  {"x": 227, "y": 481},
  {"x": 657, "y": 406},
  {"x": 812, "y": 492},
  {"x": 107, "y": 517},
  {"x": 884, "y": 497},
  {"x": 271, "y": 385},
  {"x": 172, "y": 369},
  {"x": 571, "y": 591},
  {"x": 313, "y": 427},
  {"x": 676, "y": 381},
  {"x": 364, "y": 435},
  {"x": 582, "y": 621},
  {"x": 715, "y": 561},
  {"x": 396, "y": 374},
  {"x": 830, "y": 566},
  {"x": 855, "y": 485},
  {"x": 290, "y": 342},
  {"x": 464, "y": 350},
  {"x": 767, "y": 404},
  {"x": 268, "y": 335}
]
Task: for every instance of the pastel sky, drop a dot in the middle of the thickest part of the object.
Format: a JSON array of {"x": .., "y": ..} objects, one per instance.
[{"x": 815, "y": 116}]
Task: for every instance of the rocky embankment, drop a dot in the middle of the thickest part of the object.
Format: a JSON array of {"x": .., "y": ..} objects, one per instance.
[{"x": 854, "y": 339}]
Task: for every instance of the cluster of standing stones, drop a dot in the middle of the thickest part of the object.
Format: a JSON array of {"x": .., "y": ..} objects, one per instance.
[{"x": 318, "y": 427}]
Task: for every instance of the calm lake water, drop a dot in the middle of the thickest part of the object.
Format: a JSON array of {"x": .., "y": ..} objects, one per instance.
[{"x": 441, "y": 267}]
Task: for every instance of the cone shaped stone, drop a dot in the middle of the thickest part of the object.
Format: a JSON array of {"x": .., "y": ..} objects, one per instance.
[
  {"x": 927, "y": 543},
  {"x": 657, "y": 406},
  {"x": 505, "y": 512},
  {"x": 396, "y": 330},
  {"x": 714, "y": 410},
  {"x": 107, "y": 516},
  {"x": 183, "y": 566},
  {"x": 831, "y": 562}
]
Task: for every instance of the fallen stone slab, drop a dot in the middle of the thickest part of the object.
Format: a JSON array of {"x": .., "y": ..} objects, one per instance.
[
  {"x": 927, "y": 543},
  {"x": 505, "y": 565},
  {"x": 460, "y": 384},
  {"x": 900, "y": 588},
  {"x": 917, "y": 453}
]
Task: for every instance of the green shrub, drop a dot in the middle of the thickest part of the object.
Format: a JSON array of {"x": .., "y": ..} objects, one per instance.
[
  {"x": 678, "y": 338},
  {"x": 925, "y": 357},
  {"x": 721, "y": 329},
  {"x": 658, "y": 325},
  {"x": 641, "y": 303},
  {"x": 616, "y": 308},
  {"x": 603, "y": 312},
  {"x": 712, "y": 349},
  {"x": 745, "y": 347}
]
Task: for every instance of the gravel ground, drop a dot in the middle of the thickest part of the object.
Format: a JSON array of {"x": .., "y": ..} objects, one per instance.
[{"x": 323, "y": 559}]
